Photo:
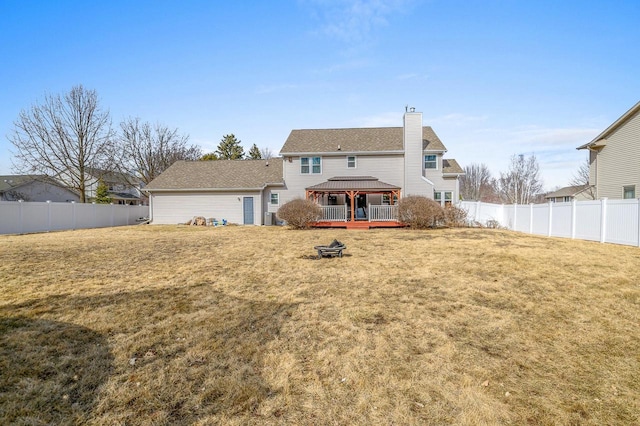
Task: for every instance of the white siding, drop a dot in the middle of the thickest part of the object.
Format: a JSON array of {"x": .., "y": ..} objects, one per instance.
[
  {"x": 618, "y": 164},
  {"x": 180, "y": 207},
  {"x": 387, "y": 168},
  {"x": 414, "y": 184}
]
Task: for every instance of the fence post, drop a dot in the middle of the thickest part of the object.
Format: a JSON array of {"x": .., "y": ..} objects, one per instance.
[
  {"x": 573, "y": 218},
  {"x": 95, "y": 215},
  {"x": 48, "y": 215},
  {"x": 20, "y": 214},
  {"x": 515, "y": 216},
  {"x": 73, "y": 215},
  {"x": 531, "y": 218},
  {"x": 550, "y": 219},
  {"x": 638, "y": 222},
  {"x": 603, "y": 220},
  {"x": 475, "y": 219},
  {"x": 369, "y": 215}
]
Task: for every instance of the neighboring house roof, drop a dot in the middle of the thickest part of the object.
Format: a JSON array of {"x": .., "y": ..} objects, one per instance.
[
  {"x": 218, "y": 175},
  {"x": 600, "y": 140},
  {"x": 451, "y": 167},
  {"x": 567, "y": 191},
  {"x": 108, "y": 176},
  {"x": 10, "y": 182},
  {"x": 361, "y": 183},
  {"x": 375, "y": 139}
]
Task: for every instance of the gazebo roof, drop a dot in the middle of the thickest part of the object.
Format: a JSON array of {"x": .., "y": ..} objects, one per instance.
[{"x": 353, "y": 183}]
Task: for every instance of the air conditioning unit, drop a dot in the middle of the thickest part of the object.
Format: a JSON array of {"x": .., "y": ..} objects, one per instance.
[{"x": 268, "y": 218}]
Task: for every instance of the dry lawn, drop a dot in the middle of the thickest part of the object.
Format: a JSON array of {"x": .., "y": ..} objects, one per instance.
[{"x": 160, "y": 325}]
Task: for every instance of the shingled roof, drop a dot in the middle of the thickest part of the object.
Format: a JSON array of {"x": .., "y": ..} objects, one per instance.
[
  {"x": 361, "y": 183},
  {"x": 451, "y": 166},
  {"x": 218, "y": 175},
  {"x": 374, "y": 139}
]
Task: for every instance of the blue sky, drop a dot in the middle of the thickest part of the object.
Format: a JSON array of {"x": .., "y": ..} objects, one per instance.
[{"x": 493, "y": 78}]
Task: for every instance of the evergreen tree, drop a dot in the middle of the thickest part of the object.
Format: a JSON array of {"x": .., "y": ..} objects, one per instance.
[
  {"x": 230, "y": 148},
  {"x": 254, "y": 153},
  {"x": 209, "y": 157},
  {"x": 102, "y": 193}
]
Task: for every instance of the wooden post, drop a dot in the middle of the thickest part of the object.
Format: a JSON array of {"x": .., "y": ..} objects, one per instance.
[{"x": 352, "y": 195}]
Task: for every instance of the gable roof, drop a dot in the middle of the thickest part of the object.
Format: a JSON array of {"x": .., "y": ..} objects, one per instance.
[
  {"x": 373, "y": 139},
  {"x": 612, "y": 128},
  {"x": 451, "y": 167},
  {"x": 567, "y": 191},
  {"x": 109, "y": 176},
  {"x": 8, "y": 182},
  {"x": 218, "y": 175}
]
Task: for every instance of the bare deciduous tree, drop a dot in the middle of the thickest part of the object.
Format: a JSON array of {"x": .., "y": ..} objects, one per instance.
[
  {"x": 145, "y": 150},
  {"x": 63, "y": 137},
  {"x": 581, "y": 178},
  {"x": 266, "y": 153},
  {"x": 521, "y": 183},
  {"x": 477, "y": 183}
]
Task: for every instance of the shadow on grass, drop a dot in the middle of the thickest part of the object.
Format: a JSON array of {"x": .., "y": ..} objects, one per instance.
[
  {"x": 50, "y": 371},
  {"x": 181, "y": 353}
]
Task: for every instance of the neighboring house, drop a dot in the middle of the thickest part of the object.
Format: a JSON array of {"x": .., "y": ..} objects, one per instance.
[
  {"x": 614, "y": 158},
  {"x": 355, "y": 174},
  {"x": 34, "y": 188},
  {"x": 570, "y": 193},
  {"x": 120, "y": 189}
]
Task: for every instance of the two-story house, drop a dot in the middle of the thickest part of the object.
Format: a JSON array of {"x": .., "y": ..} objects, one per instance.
[
  {"x": 614, "y": 158},
  {"x": 355, "y": 174},
  {"x": 119, "y": 186}
]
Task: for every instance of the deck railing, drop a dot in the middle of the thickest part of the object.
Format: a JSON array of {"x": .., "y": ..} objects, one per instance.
[
  {"x": 383, "y": 213},
  {"x": 334, "y": 213}
]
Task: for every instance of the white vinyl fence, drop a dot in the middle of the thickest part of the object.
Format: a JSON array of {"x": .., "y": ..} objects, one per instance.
[
  {"x": 17, "y": 217},
  {"x": 606, "y": 221}
]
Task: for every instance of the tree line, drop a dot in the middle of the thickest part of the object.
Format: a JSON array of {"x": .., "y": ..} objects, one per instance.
[
  {"x": 520, "y": 184},
  {"x": 70, "y": 136}
]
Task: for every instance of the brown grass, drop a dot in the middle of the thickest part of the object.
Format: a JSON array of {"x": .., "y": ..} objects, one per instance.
[{"x": 242, "y": 325}]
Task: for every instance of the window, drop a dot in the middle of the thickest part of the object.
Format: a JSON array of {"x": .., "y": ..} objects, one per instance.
[
  {"x": 351, "y": 162},
  {"x": 448, "y": 197},
  {"x": 386, "y": 199},
  {"x": 445, "y": 198},
  {"x": 311, "y": 165},
  {"x": 567, "y": 199},
  {"x": 430, "y": 162},
  {"x": 629, "y": 192},
  {"x": 275, "y": 199}
]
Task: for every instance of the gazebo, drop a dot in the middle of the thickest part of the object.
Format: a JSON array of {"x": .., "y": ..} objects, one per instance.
[{"x": 344, "y": 199}]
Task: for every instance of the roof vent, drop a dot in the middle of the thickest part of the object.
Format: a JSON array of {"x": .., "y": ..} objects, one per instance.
[{"x": 412, "y": 109}]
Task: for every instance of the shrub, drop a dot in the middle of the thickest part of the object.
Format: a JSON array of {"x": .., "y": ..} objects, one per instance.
[
  {"x": 455, "y": 216},
  {"x": 300, "y": 213},
  {"x": 419, "y": 212}
]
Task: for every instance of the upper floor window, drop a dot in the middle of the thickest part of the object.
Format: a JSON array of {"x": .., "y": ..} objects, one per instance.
[
  {"x": 430, "y": 162},
  {"x": 275, "y": 199},
  {"x": 351, "y": 162},
  {"x": 629, "y": 192},
  {"x": 311, "y": 165}
]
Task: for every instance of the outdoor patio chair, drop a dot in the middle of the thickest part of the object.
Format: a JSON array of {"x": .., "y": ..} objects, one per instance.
[{"x": 333, "y": 249}]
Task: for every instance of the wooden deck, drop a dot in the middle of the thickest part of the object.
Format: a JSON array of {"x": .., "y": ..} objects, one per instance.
[{"x": 360, "y": 224}]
